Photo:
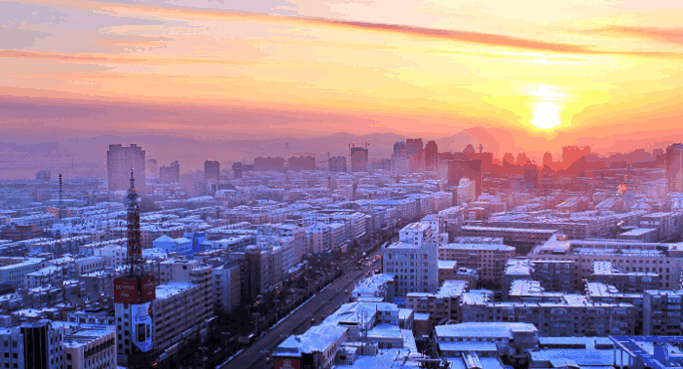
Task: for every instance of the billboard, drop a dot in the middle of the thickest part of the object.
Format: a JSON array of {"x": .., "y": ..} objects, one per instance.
[
  {"x": 126, "y": 290},
  {"x": 149, "y": 289},
  {"x": 141, "y": 319},
  {"x": 287, "y": 363}
]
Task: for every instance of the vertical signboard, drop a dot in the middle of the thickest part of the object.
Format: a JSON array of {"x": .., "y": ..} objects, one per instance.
[
  {"x": 126, "y": 290},
  {"x": 149, "y": 289},
  {"x": 141, "y": 319}
]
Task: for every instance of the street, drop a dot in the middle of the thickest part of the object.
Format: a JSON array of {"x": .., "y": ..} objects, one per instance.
[{"x": 321, "y": 305}]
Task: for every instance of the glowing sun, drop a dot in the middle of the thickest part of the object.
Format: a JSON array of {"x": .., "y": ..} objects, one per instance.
[{"x": 546, "y": 115}]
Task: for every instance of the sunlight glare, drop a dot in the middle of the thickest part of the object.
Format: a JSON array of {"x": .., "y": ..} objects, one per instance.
[{"x": 546, "y": 115}]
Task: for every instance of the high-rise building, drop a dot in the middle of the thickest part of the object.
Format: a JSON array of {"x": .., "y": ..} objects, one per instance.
[
  {"x": 337, "y": 163},
  {"x": 43, "y": 175},
  {"x": 431, "y": 152},
  {"x": 170, "y": 173},
  {"x": 674, "y": 167},
  {"x": 415, "y": 151},
  {"x": 35, "y": 345},
  {"x": 301, "y": 163},
  {"x": 120, "y": 161},
  {"x": 268, "y": 163},
  {"x": 237, "y": 168},
  {"x": 413, "y": 259},
  {"x": 571, "y": 154},
  {"x": 359, "y": 159},
  {"x": 458, "y": 169},
  {"x": 152, "y": 167},
  {"x": 548, "y": 159},
  {"x": 212, "y": 171},
  {"x": 227, "y": 278},
  {"x": 399, "y": 160}
]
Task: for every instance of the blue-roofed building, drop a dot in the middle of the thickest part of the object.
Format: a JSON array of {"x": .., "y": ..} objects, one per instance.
[{"x": 180, "y": 245}]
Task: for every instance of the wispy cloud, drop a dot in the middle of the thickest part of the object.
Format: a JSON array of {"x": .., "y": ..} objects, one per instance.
[
  {"x": 117, "y": 59},
  {"x": 478, "y": 38},
  {"x": 670, "y": 35}
]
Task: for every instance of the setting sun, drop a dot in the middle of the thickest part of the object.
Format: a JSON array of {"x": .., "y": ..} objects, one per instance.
[{"x": 546, "y": 115}]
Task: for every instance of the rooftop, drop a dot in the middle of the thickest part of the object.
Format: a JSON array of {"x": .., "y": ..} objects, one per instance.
[
  {"x": 472, "y": 329},
  {"x": 477, "y": 246},
  {"x": 316, "y": 338},
  {"x": 170, "y": 289}
]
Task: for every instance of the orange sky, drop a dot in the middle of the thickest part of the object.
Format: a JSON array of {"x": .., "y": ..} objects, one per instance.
[{"x": 595, "y": 66}]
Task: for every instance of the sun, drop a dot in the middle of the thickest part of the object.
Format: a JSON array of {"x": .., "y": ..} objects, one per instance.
[{"x": 546, "y": 115}]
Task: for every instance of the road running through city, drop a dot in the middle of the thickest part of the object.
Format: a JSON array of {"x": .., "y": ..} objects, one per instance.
[{"x": 324, "y": 303}]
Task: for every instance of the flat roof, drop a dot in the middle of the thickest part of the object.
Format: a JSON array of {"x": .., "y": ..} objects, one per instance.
[
  {"x": 170, "y": 289},
  {"x": 316, "y": 338},
  {"x": 483, "y": 329},
  {"x": 447, "y": 264},
  {"x": 477, "y": 246}
]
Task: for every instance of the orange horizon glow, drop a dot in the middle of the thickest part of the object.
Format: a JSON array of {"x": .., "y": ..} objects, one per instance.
[{"x": 573, "y": 70}]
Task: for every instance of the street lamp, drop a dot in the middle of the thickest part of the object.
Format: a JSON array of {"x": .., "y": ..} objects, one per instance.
[
  {"x": 277, "y": 310},
  {"x": 226, "y": 334},
  {"x": 256, "y": 315}
]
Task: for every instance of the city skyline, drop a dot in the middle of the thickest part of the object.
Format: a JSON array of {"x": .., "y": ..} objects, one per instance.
[{"x": 307, "y": 69}]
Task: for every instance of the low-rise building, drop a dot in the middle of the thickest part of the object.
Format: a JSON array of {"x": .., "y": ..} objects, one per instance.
[{"x": 488, "y": 259}]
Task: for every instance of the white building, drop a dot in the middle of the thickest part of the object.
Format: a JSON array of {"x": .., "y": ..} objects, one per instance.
[
  {"x": 91, "y": 347},
  {"x": 413, "y": 259}
]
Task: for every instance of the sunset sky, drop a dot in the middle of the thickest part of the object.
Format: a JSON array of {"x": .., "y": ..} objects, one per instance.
[{"x": 313, "y": 67}]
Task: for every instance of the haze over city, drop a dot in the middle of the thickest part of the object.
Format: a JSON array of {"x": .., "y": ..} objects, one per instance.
[
  {"x": 341, "y": 184},
  {"x": 605, "y": 74}
]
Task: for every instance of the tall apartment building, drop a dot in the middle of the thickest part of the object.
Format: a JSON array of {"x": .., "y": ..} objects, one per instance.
[
  {"x": 662, "y": 312},
  {"x": 170, "y": 173},
  {"x": 90, "y": 346},
  {"x": 212, "y": 171},
  {"x": 359, "y": 159},
  {"x": 415, "y": 151},
  {"x": 192, "y": 271},
  {"x": 337, "y": 164},
  {"x": 227, "y": 282},
  {"x": 33, "y": 345},
  {"x": 413, "y": 259},
  {"x": 120, "y": 160},
  {"x": 399, "y": 160},
  {"x": 177, "y": 315},
  {"x": 674, "y": 168},
  {"x": 431, "y": 156}
]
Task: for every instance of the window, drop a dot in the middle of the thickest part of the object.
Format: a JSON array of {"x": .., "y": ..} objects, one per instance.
[{"x": 68, "y": 356}]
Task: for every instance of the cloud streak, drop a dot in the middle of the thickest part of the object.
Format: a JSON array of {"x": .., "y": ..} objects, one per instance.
[
  {"x": 478, "y": 38},
  {"x": 116, "y": 59},
  {"x": 672, "y": 35}
]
